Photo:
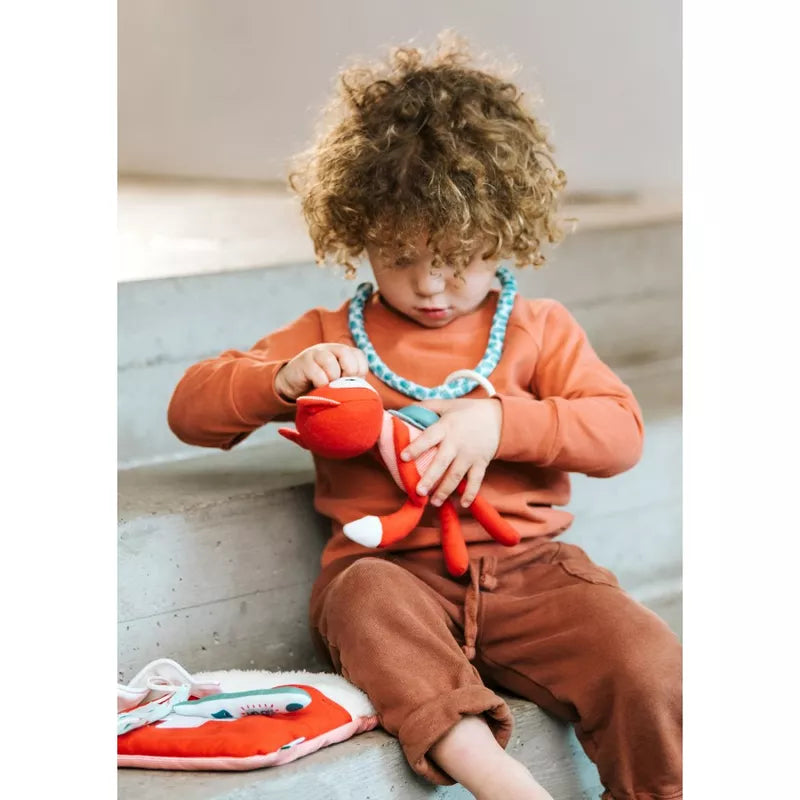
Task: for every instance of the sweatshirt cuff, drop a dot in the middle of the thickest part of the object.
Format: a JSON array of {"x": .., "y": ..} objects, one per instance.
[
  {"x": 529, "y": 430},
  {"x": 254, "y": 395}
]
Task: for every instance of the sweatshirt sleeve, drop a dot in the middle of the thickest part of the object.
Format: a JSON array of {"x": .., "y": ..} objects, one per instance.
[
  {"x": 585, "y": 420},
  {"x": 220, "y": 401}
]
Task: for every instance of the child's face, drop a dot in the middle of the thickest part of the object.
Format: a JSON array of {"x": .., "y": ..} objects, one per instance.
[{"x": 430, "y": 297}]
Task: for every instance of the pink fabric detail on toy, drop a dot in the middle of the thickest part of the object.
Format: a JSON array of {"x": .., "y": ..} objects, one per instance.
[
  {"x": 340, "y": 734},
  {"x": 424, "y": 461},
  {"x": 386, "y": 449}
]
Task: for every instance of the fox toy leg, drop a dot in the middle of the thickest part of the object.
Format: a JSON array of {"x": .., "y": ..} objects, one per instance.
[
  {"x": 374, "y": 531},
  {"x": 487, "y": 515},
  {"x": 454, "y": 547}
]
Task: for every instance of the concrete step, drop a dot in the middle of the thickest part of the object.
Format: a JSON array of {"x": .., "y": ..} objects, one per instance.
[
  {"x": 622, "y": 283},
  {"x": 372, "y": 766},
  {"x": 172, "y": 226}
]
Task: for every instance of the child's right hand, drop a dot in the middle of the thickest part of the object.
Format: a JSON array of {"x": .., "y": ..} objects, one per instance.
[{"x": 317, "y": 366}]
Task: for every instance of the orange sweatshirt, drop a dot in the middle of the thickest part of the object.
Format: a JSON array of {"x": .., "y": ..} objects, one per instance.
[{"x": 564, "y": 411}]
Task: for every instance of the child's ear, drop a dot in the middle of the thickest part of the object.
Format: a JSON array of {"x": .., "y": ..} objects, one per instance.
[{"x": 292, "y": 435}]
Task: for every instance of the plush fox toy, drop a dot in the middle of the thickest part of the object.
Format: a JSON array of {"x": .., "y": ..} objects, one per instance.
[{"x": 345, "y": 419}]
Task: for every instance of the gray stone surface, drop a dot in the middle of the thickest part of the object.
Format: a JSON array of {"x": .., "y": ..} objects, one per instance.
[
  {"x": 622, "y": 284},
  {"x": 212, "y": 477},
  {"x": 222, "y": 584}
]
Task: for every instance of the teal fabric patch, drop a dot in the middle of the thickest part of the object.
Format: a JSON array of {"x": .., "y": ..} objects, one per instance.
[{"x": 417, "y": 416}]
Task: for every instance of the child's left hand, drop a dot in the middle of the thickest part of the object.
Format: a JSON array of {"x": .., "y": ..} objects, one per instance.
[{"x": 468, "y": 435}]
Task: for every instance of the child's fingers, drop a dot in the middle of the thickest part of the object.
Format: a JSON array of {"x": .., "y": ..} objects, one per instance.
[
  {"x": 430, "y": 437},
  {"x": 440, "y": 463},
  {"x": 363, "y": 364},
  {"x": 316, "y": 375},
  {"x": 474, "y": 480},
  {"x": 352, "y": 361},
  {"x": 328, "y": 361},
  {"x": 458, "y": 469},
  {"x": 348, "y": 359},
  {"x": 357, "y": 362},
  {"x": 346, "y": 362}
]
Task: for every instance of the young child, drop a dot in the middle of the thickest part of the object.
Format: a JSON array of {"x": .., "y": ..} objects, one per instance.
[{"x": 437, "y": 172}]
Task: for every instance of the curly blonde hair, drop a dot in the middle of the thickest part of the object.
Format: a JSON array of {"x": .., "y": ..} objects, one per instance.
[{"x": 445, "y": 148}]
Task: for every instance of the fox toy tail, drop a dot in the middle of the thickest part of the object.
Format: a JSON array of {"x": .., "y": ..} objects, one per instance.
[
  {"x": 374, "y": 531},
  {"x": 383, "y": 531}
]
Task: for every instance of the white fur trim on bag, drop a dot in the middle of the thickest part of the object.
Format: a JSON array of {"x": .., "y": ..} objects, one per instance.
[{"x": 333, "y": 686}]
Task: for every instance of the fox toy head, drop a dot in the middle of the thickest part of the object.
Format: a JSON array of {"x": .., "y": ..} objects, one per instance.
[{"x": 340, "y": 420}]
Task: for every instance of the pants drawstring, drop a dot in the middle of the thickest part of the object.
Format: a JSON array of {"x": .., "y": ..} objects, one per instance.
[{"x": 481, "y": 576}]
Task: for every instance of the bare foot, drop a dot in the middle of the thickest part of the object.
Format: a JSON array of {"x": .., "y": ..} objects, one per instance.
[
  {"x": 470, "y": 754},
  {"x": 510, "y": 781}
]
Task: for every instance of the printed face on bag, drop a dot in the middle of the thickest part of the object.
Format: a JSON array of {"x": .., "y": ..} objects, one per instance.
[{"x": 430, "y": 296}]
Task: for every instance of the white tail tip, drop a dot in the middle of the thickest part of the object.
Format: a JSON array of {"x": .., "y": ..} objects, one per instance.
[{"x": 366, "y": 531}]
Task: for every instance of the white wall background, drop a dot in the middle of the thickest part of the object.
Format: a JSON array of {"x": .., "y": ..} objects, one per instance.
[{"x": 231, "y": 88}]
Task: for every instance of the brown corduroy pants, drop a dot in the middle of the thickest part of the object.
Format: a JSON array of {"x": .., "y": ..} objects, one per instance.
[{"x": 545, "y": 623}]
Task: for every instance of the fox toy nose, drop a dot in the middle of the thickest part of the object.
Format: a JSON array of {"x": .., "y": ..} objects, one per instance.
[{"x": 310, "y": 403}]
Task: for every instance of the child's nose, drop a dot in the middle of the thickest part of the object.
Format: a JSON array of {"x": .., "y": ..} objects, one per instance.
[{"x": 428, "y": 281}]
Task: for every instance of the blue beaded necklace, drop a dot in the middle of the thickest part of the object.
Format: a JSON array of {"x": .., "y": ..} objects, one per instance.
[{"x": 453, "y": 386}]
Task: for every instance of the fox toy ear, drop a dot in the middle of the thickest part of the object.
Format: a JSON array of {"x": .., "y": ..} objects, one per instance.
[{"x": 292, "y": 435}]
